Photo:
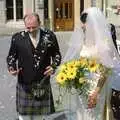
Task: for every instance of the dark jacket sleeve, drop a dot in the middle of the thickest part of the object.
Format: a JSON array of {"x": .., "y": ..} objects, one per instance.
[
  {"x": 56, "y": 55},
  {"x": 12, "y": 54}
]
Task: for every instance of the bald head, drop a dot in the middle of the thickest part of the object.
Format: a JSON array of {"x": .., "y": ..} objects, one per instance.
[
  {"x": 32, "y": 22},
  {"x": 29, "y": 16}
]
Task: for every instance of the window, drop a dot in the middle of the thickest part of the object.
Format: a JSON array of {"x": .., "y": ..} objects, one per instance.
[
  {"x": 46, "y": 9},
  {"x": 9, "y": 6},
  {"x": 14, "y": 9},
  {"x": 19, "y": 9}
]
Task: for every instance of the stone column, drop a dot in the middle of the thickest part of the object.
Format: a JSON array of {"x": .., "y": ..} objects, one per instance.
[
  {"x": 14, "y": 10},
  {"x": 2, "y": 12},
  {"x": 87, "y": 3},
  {"x": 39, "y": 8},
  {"x": 77, "y": 13},
  {"x": 51, "y": 13}
]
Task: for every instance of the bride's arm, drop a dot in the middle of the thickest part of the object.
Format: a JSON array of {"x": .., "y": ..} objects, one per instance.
[
  {"x": 103, "y": 77},
  {"x": 102, "y": 80},
  {"x": 92, "y": 99}
]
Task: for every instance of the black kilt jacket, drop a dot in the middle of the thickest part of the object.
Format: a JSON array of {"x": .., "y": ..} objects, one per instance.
[{"x": 33, "y": 61}]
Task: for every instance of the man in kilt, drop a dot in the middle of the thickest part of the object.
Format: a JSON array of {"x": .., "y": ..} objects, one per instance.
[{"x": 33, "y": 56}]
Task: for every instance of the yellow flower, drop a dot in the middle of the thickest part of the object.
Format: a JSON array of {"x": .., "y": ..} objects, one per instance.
[
  {"x": 93, "y": 65},
  {"x": 62, "y": 67},
  {"x": 71, "y": 73},
  {"x": 75, "y": 74},
  {"x": 77, "y": 63},
  {"x": 70, "y": 65},
  {"x": 83, "y": 61},
  {"x": 61, "y": 78},
  {"x": 82, "y": 80}
]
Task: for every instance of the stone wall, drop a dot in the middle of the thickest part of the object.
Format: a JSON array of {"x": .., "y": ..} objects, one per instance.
[{"x": 2, "y": 12}]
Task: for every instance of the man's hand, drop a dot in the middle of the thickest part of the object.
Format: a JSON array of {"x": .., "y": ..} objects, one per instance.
[
  {"x": 14, "y": 72},
  {"x": 49, "y": 71}
]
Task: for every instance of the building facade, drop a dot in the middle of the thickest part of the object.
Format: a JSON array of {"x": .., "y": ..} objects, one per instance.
[
  {"x": 12, "y": 11},
  {"x": 110, "y": 10},
  {"x": 58, "y": 15}
]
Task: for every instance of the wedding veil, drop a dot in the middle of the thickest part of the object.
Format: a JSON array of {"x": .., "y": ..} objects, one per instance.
[{"x": 97, "y": 34}]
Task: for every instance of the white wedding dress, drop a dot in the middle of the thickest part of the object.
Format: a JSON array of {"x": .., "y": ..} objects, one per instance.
[{"x": 82, "y": 112}]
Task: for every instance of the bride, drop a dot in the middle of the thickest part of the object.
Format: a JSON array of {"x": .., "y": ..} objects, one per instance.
[{"x": 93, "y": 40}]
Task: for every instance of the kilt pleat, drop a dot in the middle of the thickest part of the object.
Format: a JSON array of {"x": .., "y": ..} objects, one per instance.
[{"x": 27, "y": 104}]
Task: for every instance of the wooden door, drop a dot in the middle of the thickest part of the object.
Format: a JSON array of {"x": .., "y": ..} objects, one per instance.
[{"x": 63, "y": 15}]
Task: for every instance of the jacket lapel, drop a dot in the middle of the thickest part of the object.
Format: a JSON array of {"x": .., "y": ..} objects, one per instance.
[{"x": 28, "y": 43}]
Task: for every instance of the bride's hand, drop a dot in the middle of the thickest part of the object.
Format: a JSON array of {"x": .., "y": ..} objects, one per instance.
[{"x": 92, "y": 99}]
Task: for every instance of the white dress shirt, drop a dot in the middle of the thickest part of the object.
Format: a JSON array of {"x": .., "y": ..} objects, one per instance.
[{"x": 35, "y": 41}]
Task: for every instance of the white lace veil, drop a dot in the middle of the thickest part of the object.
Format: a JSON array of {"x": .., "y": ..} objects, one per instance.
[
  {"x": 75, "y": 44},
  {"x": 97, "y": 34}
]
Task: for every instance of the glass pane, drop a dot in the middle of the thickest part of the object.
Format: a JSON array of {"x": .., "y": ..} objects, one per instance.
[
  {"x": 9, "y": 13},
  {"x": 19, "y": 9},
  {"x": 61, "y": 10},
  {"x": 57, "y": 12},
  {"x": 70, "y": 10},
  {"x": 9, "y": 6},
  {"x": 19, "y": 2},
  {"x": 46, "y": 9},
  {"x": 19, "y": 12},
  {"x": 9, "y": 3},
  {"x": 66, "y": 10}
]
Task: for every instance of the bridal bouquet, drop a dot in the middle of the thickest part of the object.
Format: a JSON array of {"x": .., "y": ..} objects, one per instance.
[{"x": 76, "y": 74}]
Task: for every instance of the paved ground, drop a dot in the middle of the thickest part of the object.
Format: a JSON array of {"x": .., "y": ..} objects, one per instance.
[{"x": 7, "y": 84}]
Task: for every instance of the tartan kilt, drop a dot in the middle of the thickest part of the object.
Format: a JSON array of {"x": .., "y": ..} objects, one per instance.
[{"x": 27, "y": 104}]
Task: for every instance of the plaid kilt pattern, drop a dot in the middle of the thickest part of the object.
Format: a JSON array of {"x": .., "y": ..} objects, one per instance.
[{"x": 27, "y": 104}]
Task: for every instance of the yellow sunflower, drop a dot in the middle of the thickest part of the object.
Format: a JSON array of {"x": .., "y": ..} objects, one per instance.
[
  {"x": 71, "y": 73},
  {"x": 93, "y": 65},
  {"x": 70, "y": 65},
  {"x": 82, "y": 80},
  {"x": 77, "y": 63},
  {"x": 83, "y": 61},
  {"x": 61, "y": 78},
  {"x": 63, "y": 67}
]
